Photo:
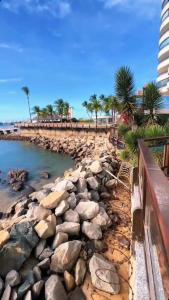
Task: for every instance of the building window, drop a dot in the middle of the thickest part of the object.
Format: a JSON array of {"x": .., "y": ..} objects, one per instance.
[
  {"x": 164, "y": 43},
  {"x": 163, "y": 83},
  {"x": 164, "y": 16}
]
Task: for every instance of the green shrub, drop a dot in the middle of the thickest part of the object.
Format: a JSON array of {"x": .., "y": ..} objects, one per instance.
[
  {"x": 123, "y": 129},
  {"x": 125, "y": 155}
]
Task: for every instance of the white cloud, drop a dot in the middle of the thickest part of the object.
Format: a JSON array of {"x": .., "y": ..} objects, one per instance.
[
  {"x": 8, "y": 80},
  {"x": 146, "y": 8},
  {"x": 56, "y": 8},
  {"x": 11, "y": 47}
]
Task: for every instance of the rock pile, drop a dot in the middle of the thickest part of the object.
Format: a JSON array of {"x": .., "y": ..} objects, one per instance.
[
  {"x": 17, "y": 179},
  {"x": 58, "y": 232},
  {"x": 74, "y": 147}
]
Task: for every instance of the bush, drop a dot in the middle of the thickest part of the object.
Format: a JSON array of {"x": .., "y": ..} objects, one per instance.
[
  {"x": 122, "y": 130},
  {"x": 125, "y": 155}
]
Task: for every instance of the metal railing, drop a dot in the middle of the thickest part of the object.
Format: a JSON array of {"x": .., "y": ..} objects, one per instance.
[{"x": 154, "y": 193}]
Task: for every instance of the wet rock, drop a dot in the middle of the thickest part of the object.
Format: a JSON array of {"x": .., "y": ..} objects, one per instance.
[
  {"x": 18, "y": 249},
  {"x": 17, "y": 186},
  {"x": 4, "y": 237},
  {"x": 60, "y": 238},
  {"x": 13, "y": 278},
  {"x": 69, "y": 281},
  {"x": 45, "y": 175},
  {"x": 61, "y": 208},
  {"x": 37, "y": 288},
  {"x": 92, "y": 231},
  {"x": 65, "y": 256},
  {"x": 102, "y": 219},
  {"x": 53, "y": 199},
  {"x": 54, "y": 289},
  {"x": 77, "y": 294},
  {"x": 7, "y": 293},
  {"x": 71, "y": 216},
  {"x": 96, "y": 167},
  {"x": 69, "y": 228},
  {"x": 39, "y": 248},
  {"x": 87, "y": 210},
  {"x": 93, "y": 183},
  {"x": 104, "y": 275},
  {"x": 80, "y": 271}
]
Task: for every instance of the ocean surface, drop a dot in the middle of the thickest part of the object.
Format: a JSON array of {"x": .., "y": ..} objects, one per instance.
[{"x": 24, "y": 155}]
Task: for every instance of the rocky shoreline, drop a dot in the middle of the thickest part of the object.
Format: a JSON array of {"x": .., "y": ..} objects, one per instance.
[{"x": 54, "y": 237}]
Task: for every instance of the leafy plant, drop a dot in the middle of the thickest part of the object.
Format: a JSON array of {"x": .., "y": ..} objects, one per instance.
[{"x": 123, "y": 129}]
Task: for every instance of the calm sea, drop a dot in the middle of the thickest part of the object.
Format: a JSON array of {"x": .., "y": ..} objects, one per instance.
[{"x": 24, "y": 155}]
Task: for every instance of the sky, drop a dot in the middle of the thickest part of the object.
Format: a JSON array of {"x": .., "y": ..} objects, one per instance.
[{"x": 71, "y": 49}]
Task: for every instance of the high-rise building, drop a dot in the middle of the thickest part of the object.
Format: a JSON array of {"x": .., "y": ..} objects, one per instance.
[{"x": 163, "y": 55}]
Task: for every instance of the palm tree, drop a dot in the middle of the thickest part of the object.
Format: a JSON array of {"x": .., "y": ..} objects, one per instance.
[
  {"x": 60, "y": 106},
  {"x": 152, "y": 100},
  {"x": 124, "y": 86},
  {"x": 50, "y": 111},
  {"x": 95, "y": 105},
  {"x": 88, "y": 107},
  {"x": 66, "y": 110},
  {"x": 37, "y": 111},
  {"x": 110, "y": 104},
  {"x": 25, "y": 89}
]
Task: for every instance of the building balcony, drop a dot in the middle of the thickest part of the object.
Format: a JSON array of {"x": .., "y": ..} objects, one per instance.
[
  {"x": 163, "y": 53},
  {"x": 163, "y": 66},
  {"x": 164, "y": 26}
]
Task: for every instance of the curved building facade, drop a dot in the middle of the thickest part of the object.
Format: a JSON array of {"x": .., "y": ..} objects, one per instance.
[{"x": 163, "y": 55}]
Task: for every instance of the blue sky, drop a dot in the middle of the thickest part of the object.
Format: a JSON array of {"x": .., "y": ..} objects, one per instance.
[{"x": 71, "y": 49}]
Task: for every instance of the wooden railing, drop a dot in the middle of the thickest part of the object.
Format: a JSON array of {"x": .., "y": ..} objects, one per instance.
[{"x": 154, "y": 193}]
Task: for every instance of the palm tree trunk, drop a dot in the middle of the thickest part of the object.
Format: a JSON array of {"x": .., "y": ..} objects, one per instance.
[
  {"x": 29, "y": 109},
  {"x": 96, "y": 120}
]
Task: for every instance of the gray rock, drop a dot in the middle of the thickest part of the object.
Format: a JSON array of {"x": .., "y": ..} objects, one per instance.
[
  {"x": 14, "y": 295},
  {"x": 71, "y": 216},
  {"x": 46, "y": 253},
  {"x": 40, "y": 247},
  {"x": 61, "y": 208},
  {"x": 69, "y": 228},
  {"x": 54, "y": 289},
  {"x": 104, "y": 275},
  {"x": 111, "y": 184},
  {"x": 37, "y": 288},
  {"x": 64, "y": 185},
  {"x": 80, "y": 271},
  {"x": 95, "y": 196},
  {"x": 86, "y": 196},
  {"x": 48, "y": 186},
  {"x": 77, "y": 294},
  {"x": 102, "y": 219},
  {"x": 44, "y": 264},
  {"x": 18, "y": 249},
  {"x": 59, "y": 239},
  {"x": 13, "y": 278},
  {"x": 96, "y": 167},
  {"x": 69, "y": 281},
  {"x": 92, "y": 231},
  {"x": 72, "y": 201},
  {"x": 38, "y": 213},
  {"x": 7, "y": 293},
  {"x": 65, "y": 256},
  {"x": 23, "y": 289},
  {"x": 28, "y": 296},
  {"x": 38, "y": 195},
  {"x": 1, "y": 285},
  {"x": 93, "y": 183},
  {"x": 82, "y": 186},
  {"x": 37, "y": 273},
  {"x": 87, "y": 210}
]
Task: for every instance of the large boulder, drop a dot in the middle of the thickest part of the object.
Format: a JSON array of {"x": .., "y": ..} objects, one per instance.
[
  {"x": 87, "y": 210},
  {"x": 18, "y": 249},
  {"x": 69, "y": 281},
  {"x": 92, "y": 231},
  {"x": 46, "y": 228},
  {"x": 64, "y": 185},
  {"x": 65, "y": 256},
  {"x": 53, "y": 199},
  {"x": 69, "y": 228},
  {"x": 54, "y": 289},
  {"x": 102, "y": 219},
  {"x": 104, "y": 275},
  {"x": 38, "y": 195},
  {"x": 96, "y": 167},
  {"x": 13, "y": 278},
  {"x": 72, "y": 200},
  {"x": 61, "y": 208},
  {"x": 71, "y": 216},
  {"x": 4, "y": 237},
  {"x": 82, "y": 185}
]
